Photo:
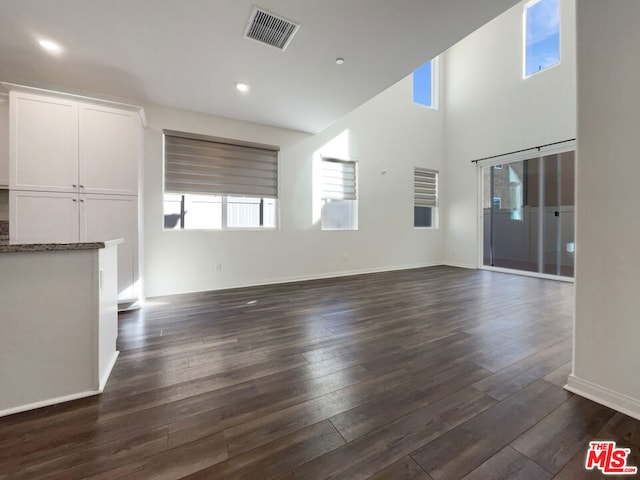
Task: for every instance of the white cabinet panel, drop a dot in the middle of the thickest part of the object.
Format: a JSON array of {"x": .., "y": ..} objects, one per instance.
[
  {"x": 43, "y": 217},
  {"x": 43, "y": 152},
  {"x": 58, "y": 326},
  {"x": 110, "y": 150},
  {"x": 107, "y": 217},
  {"x": 4, "y": 141},
  {"x": 73, "y": 168}
]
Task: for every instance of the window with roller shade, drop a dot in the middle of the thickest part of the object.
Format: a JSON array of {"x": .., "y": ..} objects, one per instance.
[
  {"x": 216, "y": 183},
  {"x": 339, "y": 195},
  {"x": 425, "y": 198}
]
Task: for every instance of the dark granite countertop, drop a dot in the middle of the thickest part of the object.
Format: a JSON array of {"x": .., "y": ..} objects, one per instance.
[{"x": 7, "y": 247}]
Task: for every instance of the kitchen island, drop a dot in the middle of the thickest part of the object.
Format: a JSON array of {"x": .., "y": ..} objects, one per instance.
[{"x": 58, "y": 322}]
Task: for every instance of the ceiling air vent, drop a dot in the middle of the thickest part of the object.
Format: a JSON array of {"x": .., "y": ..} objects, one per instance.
[{"x": 270, "y": 29}]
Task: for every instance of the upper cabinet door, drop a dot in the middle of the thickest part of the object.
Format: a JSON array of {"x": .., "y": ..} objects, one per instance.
[
  {"x": 43, "y": 145},
  {"x": 4, "y": 141},
  {"x": 110, "y": 150}
]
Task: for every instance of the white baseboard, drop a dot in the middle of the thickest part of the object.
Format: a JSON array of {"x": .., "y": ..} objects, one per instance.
[
  {"x": 604, "y": 396},
  {"x": 302, "y": 278},
  {"x": 460, "y": 265},
  {"x": 47, "y": 403},
  {"x": 347, "y": 273},
  {"x": 524, "y": 273},
  {"x": 107, "y": 373}
]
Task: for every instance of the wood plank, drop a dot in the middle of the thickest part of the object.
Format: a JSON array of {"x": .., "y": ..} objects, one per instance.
[
  {"x": 386, "y": 445},
  {"x": 403, "y": 469},
  {"x": 520, "y": 374},
  {"x": 623, "y": 430},
  {"x": 557, "y": 438},
  {"x": 60, "y": 462},
  {"x": 381, "y": 409},
  {"x": 266, "y": 428},
  {"x": 508, "y": 464},
  {"x": 216, "y": 379},
  {"x": 172, "y": 464},
  {"x": 255, "y": 408},
  {"x": 277, "y": 457},
  {"x": 560, "y": 375},
  {"x": 574, "y": 469},
  {"x": 458, "y": 452}
]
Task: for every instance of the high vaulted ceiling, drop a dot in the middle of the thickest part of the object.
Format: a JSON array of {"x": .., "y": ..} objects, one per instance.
[{"x": 190, "y": 53}]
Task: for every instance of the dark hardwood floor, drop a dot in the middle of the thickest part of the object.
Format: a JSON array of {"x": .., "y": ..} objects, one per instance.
[{"x": 434, "y": 373}]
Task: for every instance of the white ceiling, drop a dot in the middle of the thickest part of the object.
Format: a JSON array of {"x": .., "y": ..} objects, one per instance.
[{"x": 189, "y": 54}]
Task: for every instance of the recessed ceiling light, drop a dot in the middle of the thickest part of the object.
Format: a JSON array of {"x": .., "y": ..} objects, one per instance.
[
  {"x": 339, "y": 61},
  {"x": 242, "y": 87},
  {"x": 50, "y": 46}
]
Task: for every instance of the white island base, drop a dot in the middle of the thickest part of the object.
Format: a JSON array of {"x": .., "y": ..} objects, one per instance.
[{"x": 58, "y": 322}]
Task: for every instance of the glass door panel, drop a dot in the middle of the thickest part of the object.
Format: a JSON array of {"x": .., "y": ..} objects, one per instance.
[
  {"x": 510, "y": 241},
  {"x": 567, "y": 213},
  {"x": 528, "y": 214},
  {"x": 550, "y": 214}
]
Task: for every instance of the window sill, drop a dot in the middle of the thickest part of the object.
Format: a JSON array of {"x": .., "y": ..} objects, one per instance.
[
  {"x": 228, "y": 229},
  {"x": 339, "y": 229}
]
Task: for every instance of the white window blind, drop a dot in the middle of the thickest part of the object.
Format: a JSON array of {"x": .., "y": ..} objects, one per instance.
[
  {"x": 338, "y": 179},
  {"x": 425, "y": 187},
  {"x": 198, "y": 164}
]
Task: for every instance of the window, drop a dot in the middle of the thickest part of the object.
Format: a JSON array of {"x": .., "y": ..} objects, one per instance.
[
  {"x": 425, "y": 198},
  {"x": 213, "y": 183},
  {"x": 190, "y": 212},
  {"x": 243, "y": 212},
  {"x": 339, "y": 195},
  {"x": 541, "y": 35},
  {"x": 424, "y": 84}
]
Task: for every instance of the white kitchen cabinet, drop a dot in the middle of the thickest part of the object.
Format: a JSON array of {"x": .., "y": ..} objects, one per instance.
[
  {"x": 73, "y": 173},
  {"x": 114, "y": 216},
  {"x": 52, "y": 217},
  {"x": 4, "y": 141},
  {"x": 61, "y": 144},
  {"x": 43, "y": 145},
  {"x": 43, "y": 217},
  {"x": 110, "y": 150}
]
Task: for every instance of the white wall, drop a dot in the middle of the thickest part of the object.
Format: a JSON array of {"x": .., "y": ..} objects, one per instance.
[
  {"x": 607, "y": 325},
  {"x": 387, "y": 133},
  {"x": 490, "y": 109}
]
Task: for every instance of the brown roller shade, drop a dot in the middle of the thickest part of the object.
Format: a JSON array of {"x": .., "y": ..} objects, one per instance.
[{"x": 198, "y": 164}]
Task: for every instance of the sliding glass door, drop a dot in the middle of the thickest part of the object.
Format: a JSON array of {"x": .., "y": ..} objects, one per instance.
[{"x": 528, "y": 214}]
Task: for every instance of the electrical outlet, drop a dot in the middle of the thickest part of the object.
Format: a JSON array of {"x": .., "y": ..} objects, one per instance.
[{"x": 218, "y": 267}]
